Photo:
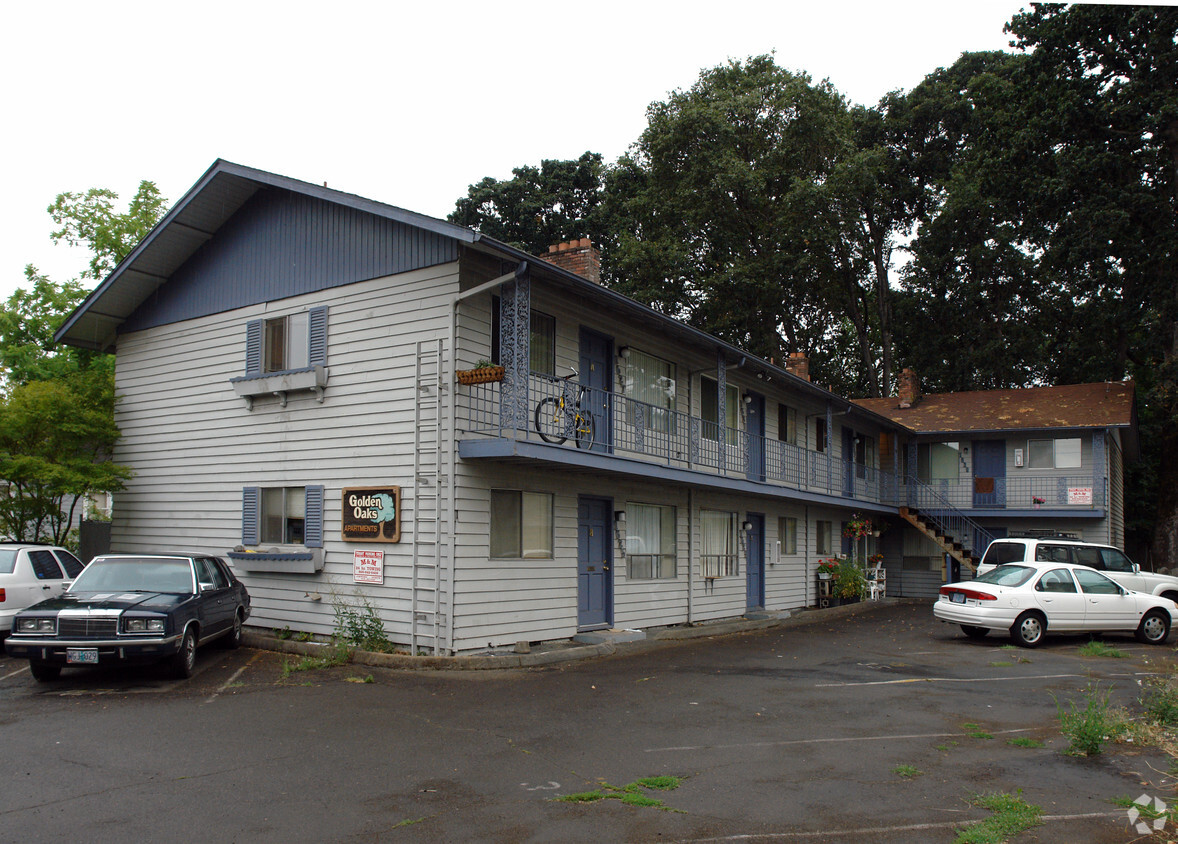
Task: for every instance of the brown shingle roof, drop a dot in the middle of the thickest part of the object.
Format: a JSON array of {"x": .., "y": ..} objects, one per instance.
[{"x": 1102, "y": 405}]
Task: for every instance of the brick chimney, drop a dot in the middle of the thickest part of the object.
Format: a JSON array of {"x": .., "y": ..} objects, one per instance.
[
  {"x": 577, "y": 256},
  {"x": 798, "y": 364},
  {"x": 909, "y": 388}
]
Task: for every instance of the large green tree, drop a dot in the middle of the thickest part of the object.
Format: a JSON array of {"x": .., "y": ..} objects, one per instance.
[
  {"x": 538, "y": 206},
  {"x": 758, "y": 205},
  {"x": 57, "y": 425}
]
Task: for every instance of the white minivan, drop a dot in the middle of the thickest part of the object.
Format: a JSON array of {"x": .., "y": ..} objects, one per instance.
[
  {"x": 1104, "y": 558},
  {"x": 30, "y": 573}
]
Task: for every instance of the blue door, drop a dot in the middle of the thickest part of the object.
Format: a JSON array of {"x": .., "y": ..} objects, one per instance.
[
  {"x": 594, "y": 561},
  {"x": 755, "y": 556},
  {"x": 756, "y": 437},
  {"x": 989, "y": 473},
  {"x": 597, "y": 353}
]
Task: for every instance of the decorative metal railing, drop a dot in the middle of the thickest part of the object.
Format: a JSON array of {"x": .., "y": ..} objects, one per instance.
[{"x": 625, "y": 427}]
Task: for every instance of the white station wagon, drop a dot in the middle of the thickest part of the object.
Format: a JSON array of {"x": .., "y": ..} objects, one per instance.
[{"x": 1029, "y": 600}]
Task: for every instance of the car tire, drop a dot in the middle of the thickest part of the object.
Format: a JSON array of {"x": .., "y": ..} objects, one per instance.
[
  {"x": 183, "y": 661},
  {"x": 975, "y": 632},
  {"x": 232, "y": 639},
  {"x": 1154, "y": 628},
  {"x": 44, "y": 672},
  {"x": 1028, "y": 629}
]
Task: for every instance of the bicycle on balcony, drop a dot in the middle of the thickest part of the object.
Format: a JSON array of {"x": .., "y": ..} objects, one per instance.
[{"x": 557, "y": 419}]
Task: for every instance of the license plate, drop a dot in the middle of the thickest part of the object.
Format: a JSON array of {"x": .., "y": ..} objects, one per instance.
[
  {"x": 81, "y": 656},
  {"x": 957, "y": 597}
]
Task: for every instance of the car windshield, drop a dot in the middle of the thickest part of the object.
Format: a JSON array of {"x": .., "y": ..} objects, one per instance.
[
  {"x": 132, "y": 574},
  {"x": 1006, "y": 576},
  {"x": 7, "y": 560}
]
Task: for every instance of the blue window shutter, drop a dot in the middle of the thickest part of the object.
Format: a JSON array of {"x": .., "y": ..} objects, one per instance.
[
  {"x": 313, "y": 518},
  {"x": 251, "y": 499},
  {"x": 253, "y": 347},
  {"x": 317, "y": 345}
]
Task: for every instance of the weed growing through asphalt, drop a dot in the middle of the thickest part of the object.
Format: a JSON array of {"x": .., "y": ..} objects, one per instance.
[
  {"x": 337, "y": 654},
  {"x": 360, "y": 626},
  {"x": 975, "y": 731},
  {"x": 1001, "y": 664},
  {"x": 1090, "y": 726},
  {"x": 283, "y": 632},
  {"x": 367, "y": 679},
  {"x": 907, "y": 771},
  {"x": 630, "y": 794},
  {"x": 1012, "y": 815},
  {"x": 1025, "y": 742},
  {"x": 946, "y": 747},
  {"x": 1094, "y": 647},
  {"x": 1147, "y": 811},
  {"x": 1159, "y": 701}
]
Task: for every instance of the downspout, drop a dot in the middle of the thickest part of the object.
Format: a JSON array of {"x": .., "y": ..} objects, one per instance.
[
  {"x": 690, "y": 555},
  {"x": 451, "y": 459}
]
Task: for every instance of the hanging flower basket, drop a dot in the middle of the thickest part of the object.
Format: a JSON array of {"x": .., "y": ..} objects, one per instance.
[{"x": 482, "y": 375}]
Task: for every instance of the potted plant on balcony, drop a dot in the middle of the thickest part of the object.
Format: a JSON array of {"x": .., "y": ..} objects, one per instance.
[
  {"x": 1036, "y": 501},
  {"x": 484, "y": 372}
]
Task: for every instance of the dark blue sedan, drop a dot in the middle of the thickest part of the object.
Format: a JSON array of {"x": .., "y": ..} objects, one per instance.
[{"x": 131, "y": 609}]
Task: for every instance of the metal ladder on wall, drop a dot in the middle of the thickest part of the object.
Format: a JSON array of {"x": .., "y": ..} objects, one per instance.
[{"x": 427, "y": 610}]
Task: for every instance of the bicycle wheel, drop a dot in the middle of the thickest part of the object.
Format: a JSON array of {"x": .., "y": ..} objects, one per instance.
[
  {"x": 585, "y": 429},
  {"x": 550, "y": 421}
]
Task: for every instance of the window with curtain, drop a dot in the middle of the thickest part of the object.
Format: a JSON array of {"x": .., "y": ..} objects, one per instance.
[
  {"x": 651, "y": 380},
  {"x": 718, "y": 545},
  {"x": 521, "y": 524},
  {"x": 1053, "y": 454},
  {"x": 650, "y": 541},
  {"x": 938, "y": 461},
  {"x": 709, "y": 410},
  {"x": 822, "y": 543},
  {"x": 787, "y": 533}
]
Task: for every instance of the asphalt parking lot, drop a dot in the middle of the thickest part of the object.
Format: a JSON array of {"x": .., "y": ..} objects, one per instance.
[{"x": 880, "y": 726}]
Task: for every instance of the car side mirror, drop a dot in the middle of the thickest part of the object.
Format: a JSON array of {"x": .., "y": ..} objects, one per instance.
[
  {"x": 207, "y": 587},
  {"x": 1136, "y": 568}
]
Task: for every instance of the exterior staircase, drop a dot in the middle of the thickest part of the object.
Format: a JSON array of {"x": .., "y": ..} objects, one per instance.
[{"x": 955, "y": 533}]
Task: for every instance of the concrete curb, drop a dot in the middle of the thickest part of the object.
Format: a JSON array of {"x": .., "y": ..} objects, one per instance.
[{"x": 264, "y": 640}]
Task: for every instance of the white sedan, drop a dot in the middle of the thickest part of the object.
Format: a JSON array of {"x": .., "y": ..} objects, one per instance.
[{"x": 1029, "y": 600}]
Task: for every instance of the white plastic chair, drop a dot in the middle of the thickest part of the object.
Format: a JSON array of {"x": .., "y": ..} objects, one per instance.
[{"x": 877, "y": 583}]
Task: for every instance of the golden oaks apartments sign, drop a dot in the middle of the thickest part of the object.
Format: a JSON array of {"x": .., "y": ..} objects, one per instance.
[{"x": 372, "y": 514}]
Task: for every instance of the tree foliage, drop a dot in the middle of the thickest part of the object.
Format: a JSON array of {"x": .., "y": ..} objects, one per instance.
[
  {"x": 55, "y": 443},
  {"x": 57, "y": 427},
  {"x": 89, "y": 219},
  {"x": 538, "y": 206}
]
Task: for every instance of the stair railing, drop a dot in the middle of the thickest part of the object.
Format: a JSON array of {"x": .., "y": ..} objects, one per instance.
[{"x": 950, "y": 522}]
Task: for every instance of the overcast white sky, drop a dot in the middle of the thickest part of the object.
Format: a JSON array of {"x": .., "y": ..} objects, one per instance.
[{"x": 404, "y": 103}]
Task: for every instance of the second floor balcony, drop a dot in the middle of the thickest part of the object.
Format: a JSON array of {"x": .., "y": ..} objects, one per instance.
[{"x": 640, "y": 438}]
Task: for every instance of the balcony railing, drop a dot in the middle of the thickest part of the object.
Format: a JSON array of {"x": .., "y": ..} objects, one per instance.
[{"x": 626, "y": 427}]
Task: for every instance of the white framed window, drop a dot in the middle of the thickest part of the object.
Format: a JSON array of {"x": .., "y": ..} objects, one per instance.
[
  {"x": 938, "y": 461},
  {"x": 787, "y": 533},
  {"x": 709, "y": 410},
  {"x": 287, "y": 343},
  {"x": 822, "y": 539},
  {"x": 289, "y": 515},
  {"x": 651, "y": 380},
  {"x": 650, "y": 541},
  {"x": 1054, "y": 454},
  {"x": 521, "y": 525},
  {"x": 284, "y": 515},
  {"x": 718, "y": 545}
]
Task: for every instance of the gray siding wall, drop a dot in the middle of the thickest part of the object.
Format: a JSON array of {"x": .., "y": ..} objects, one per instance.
[{"x": 194, "y": 445}]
